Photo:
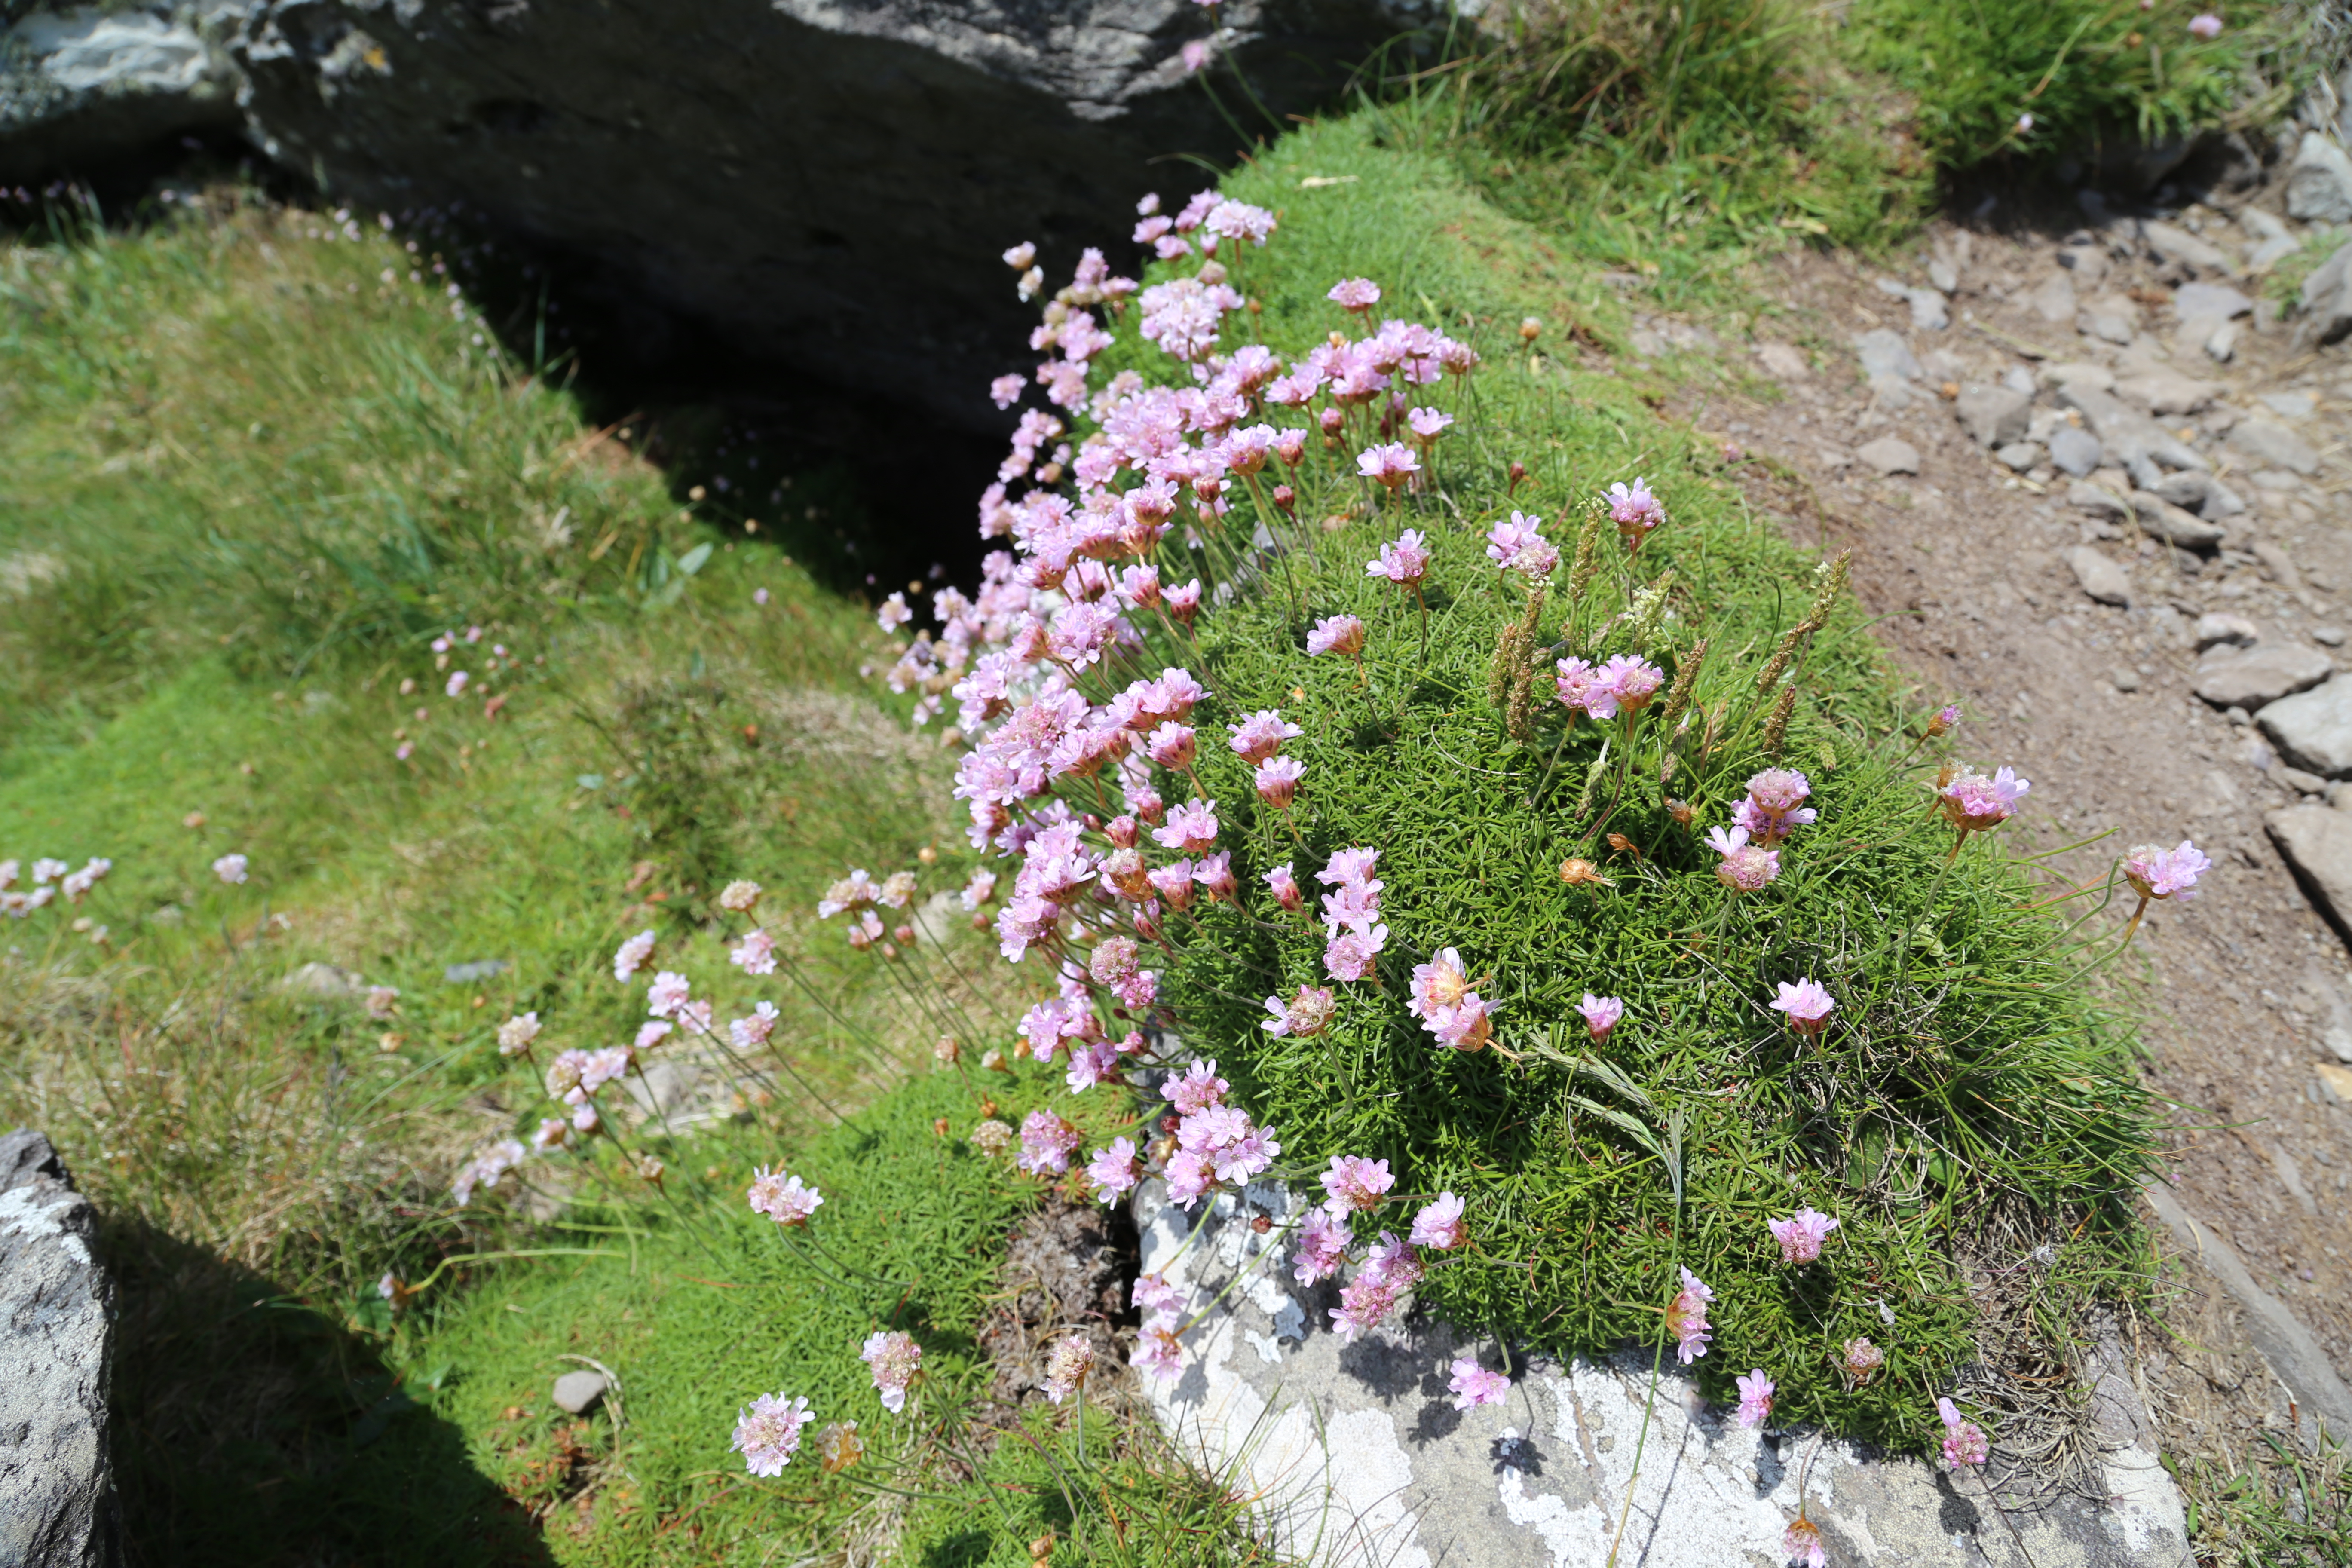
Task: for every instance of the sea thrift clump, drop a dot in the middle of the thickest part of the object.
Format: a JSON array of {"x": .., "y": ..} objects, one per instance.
[
  {"x": 1323, "y": 1241},
  {"x": 894, "y": 1358},
  {"x": 768, "y": 1433},
  {"x": 1807, "y": 1005},
  {"x": 1801, "y": 1235},
  {"x": 1115, "y": 1172},
  {"x": 1686, "y": 1319},
  {"x": 1964, "y": 1441},
  {"x": 1472, "y": 1386},
  {"x": 1755, "y": 1398}
]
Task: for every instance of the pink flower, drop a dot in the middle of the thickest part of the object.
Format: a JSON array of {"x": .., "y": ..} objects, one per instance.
[
  {"x": 1807, "y": 1005},
  {"x": 1975, "y": 803},
  {"x": 1437, "y": 985},
  {"x": 894, "y": 1358},
  {"x": 1190, "y": 828},
  {"x": 1306, "y": 1015},
  {"x": 755, "y": 954},
  {"x": 1173, "y": 884},
  {"x": 666, "y": 993},
  {"x": 1755, "y": 1398},
  {"x": 1601, "y": 1014},
  {"x": 1285, "y": 888},
  {"x": 1579, "y": 687},
  {"x": 1155, "y": 1298},
  {"x": 1278, "y": 780},
  {"x": 1861, "y": 1359},
  {"x": 2156, "y": 873},
  {"x": 1261, "y": 735},
  {"x": 1199, "y": 1088},
  {"x": 1067, "y": 1366},
  {"x": 1350, "y": 867},
  {"x": 1358, "y": 294},
  {"x": 651, "y": 1033},
  {"x": 768, "y": 1432},
  {"x": 753, "y": 1031},
  {"x": 1337, "y": 633},
  {"x": 1403, "y": 562},
  {"x": 1964, "y": 1441},
  {"x": 1779, "y": 790},
  {"x": 1159, "y": 1352},
  {"x": 1046, "y": 1143},
  {"x": 1348, "y": 955},
  {"x": 1005, "y": 391},
  {"x": 1115, "y": 1170},
  {"x": 1022, "y": 257},
  {"x": 1428, "y": 424},
  {"x": 1801, "y": 1542},
  {"x": 1769, "y": 828},
  {"x": 1801, "y": 1235},
  {"x": 1472, "y": 1386},
  {"x": 457, "y": 684},
  {"x": 1439, "y": 1224},
  {"x": 1631, "y": 681},
  {"x": 2205, "y": 24},
  {"x": 1185, "y": 602},
  {"x": 1356, "y": 1182},
  {"x": 1214, "y": 877},
  {"x": 784, "y": 1199},
  {"x": 517, "y": 1032},
  {"x": 1322, "y": 1246},
  {"x": 1636, "y": 512},
  {"x": 231, "y": 869},
  {"x": 631, "y": 954},
  {"x": 1507, "y": 543},
  {"x": 1745, "y": 867},
  {"x": 1466, "y": 1026},
  {"x": 1392, "y": 466},
  {"x": 1171, "y": 745},
  {"x": 1687, "y": 1318}
]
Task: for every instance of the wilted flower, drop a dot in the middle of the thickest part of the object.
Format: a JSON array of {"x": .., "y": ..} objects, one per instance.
[
  {"x": 230, "y": 869},
  {"x": 768, "y": 1433},
  {"x": 1801, "y": 1235},
  {"x": 552, "y": 1133},
  {"x": 784, "y": 1199},
  {"x": 894, "y": 1358},
  {"x": 992, "y": 1138},
  {"x": 1067, "y": 1366},
  {"x": 1439, "y": 1224},
  {"x": 1862, "y": 1360},
  {"x": 1687, "y": 1318},
  {"x": 838, "y": 1446},
  {"x": 738, "y": 896},
  {"x": 1801, "y": 1542},
  {"x": 517, "y": 1032},
  {"x": 854, "y": 891},
  {"x": 1601, "y": 1014},
  {"x": 1304, "y": 1016},
  {"x": 1472, "y": 1386},
  {"x": 1964, "y": 1441},
  {"x": 1755, "y": 1398},
  {"x": 1807, "y": 1005}
]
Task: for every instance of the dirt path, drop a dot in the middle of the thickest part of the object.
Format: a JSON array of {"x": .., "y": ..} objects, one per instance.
[{"x": 2093, "y": 702}]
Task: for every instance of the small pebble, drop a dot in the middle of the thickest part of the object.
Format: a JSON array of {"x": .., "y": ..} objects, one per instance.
[
  {"x": 2238, "y": 716},
  {"x": 578, "y": 1392},
  {"x": 2125, "y": 679},
  {"x": 2327, "y": 636}
]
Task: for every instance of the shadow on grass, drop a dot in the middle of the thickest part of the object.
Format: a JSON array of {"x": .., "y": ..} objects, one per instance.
[{"x": 252, "y": 1430}]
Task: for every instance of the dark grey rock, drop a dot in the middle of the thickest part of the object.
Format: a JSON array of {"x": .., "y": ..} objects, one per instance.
[
  {"x": 1995, "y": 416},
  {"x": 2264, "y": 674},
  {"x": 2319, "y": 181},
  {"x": 2075, "y": 450},
  {"x": 57, "y": 1508},
  {"x": 2313, "y": 729}
]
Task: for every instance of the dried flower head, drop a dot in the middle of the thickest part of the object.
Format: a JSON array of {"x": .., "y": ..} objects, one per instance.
[
  {"x": 1067, "y": 1366},
  {"x": 838, "y": 1446},
  {"x": 993, "y": 1137},
  {"x": 740, "y": 897},
  {"x": 1579, "y": 873},
  {"x": 1860, "y": 1358},
  {"x": 517, "y": 1032}
]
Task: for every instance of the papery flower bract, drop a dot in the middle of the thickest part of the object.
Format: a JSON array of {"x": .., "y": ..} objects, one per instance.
[
  {"x": 755, "y": 954},
  {"x": 992, "y": 1138},
  {"x": 1357, "y": 1182},
  {"x": 1022, "y": 257},
  {"x": 979, "y": 890},
  {"x": 1439, "y": 1224},
  {"x": 894, "y": 1358},
  {"x": 1472, "y": 1386},
  {"x": 1306, "y": 1015},
  {"x": 1801, "y": 1542},
  {"x": 1806, "y": 1006},
  {"x": 1601, "y": 1014},
  {"x": 1801, "y": 1235},
  {"x": 2158, "y": 873},
  {"x": 768, "y": 1433},
  {"x": 631, "y": 954},
  {"x": 787, "y": 1200},
  {"x": 1067, "y": 1366},
  {"x": 1964, "y": 1441},
  {"x": 231, "y": 869},
  {"x": 1686, "y": 1319},
  {"x": 1755, "y": 1398},
  {"x": 1337, "y": 633}
]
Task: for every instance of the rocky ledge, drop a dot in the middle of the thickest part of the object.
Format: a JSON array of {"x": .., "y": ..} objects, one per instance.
[{"x": 1361, "y": 1459}]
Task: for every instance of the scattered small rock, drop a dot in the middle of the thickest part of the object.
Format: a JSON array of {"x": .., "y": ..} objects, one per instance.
[
  {"x": 2167, "y": 392},
  {"x": 2319, "y": 181},
  {"x": 2259, "y": 676},
  {"x": 2219, "y": 626},
  {"x": 2279, "y": 568},
  {"x": 2274, "y": 443},
  {"x": 2098, "y": 377},
  {"x": 2313, "y": 729},
  {"x": 1943, "y": 276},
  {"x": 2296, "y": 779},
  {"x": 2125, "y": 679},
  {"x": 2317, "y": 844},
  {"x": 2054, "y": 301},
  {"x": 2166, "y": 521},
  {"x": 1995, "y": 416},
  {"x": 2171, "y": 244},
  {"x": 1930, "y": 311},
  {"x": 2019, "y": 456},
  {"x": 2327, "y": 297},
  {"x": 1782, "y": 362},
  {"x": 1884, "y": 353},
  {"x": 2097, "y": 500},
  {"x": 2194, "y": 299},
  {"x": 2327, "y": 636},
  {"x": 2111, "y": 318},
  {"x": 2201, "y": 493},
  {"x": 2289, "y": 405},
  {"x": 326, "y": 982},
  {"x": 2100, "y": 578},
  {"x": 1890, "y": 454},
  {"x": 578, "y": 1392},
  {"x": 2075, "y": 450}
]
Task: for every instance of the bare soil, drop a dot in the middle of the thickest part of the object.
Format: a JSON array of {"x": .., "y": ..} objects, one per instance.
[{"x": 1962, "y": 562}]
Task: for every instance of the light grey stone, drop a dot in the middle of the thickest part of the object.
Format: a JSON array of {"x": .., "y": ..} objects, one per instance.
[
  {"x": 2111, "y": 318},
  {"x": 2168, "y": 243},
  {"x": 2053, "y": 299},
  {"x": 2217, "y": 628},
  {"x": 2130, "y": 437},
  {"x": 2289, "y": 405},
  {"x": 2073, "y": 372},
  {"x": 1942, "y": 275},
  {"x": 2199, "y": 492},
  {"x": 2019, "y": 379},
  {"x": 2319, "y": 181},
  {"x": 2222, "y": 343},
  {"x": 2087, "y": 264},
  {"x": 1930, "y": 311},
  {"x": 2327, "y": 297},
  {"x": 1890, "y": 454},
  {"x": 2076, "y": 449},
  {"x": 578, "y": 1392},
  {"x": 2160, "y": 518},
  {"x": 1357, "y": 1457},
  {"x": 2260, "y": 675},
  {"x": 1884, "y": 353},
  {"x": 2124, "y": 679},
  {"x": 2271, "y": 252},
  {"x": 2260, "y": 224},
  {"x": 58, "y": 1507},
  {"x": 2019, "y": 456},
  {"x": 1783, "y": 362},
  {"x": 2312, "y": 731},
  {"x": 80, "y": 84},
  {"x": 2264, "y": 442},
  {"x": 479, "y": 970},
  {"x": 2098, "y": 500},
  {"x": 1994, "y": 416},
  {"x": 2327, "y": 636},
  {"x": 326, "y": 982},
  {"x": 2278, "y": 564},
  {"x": 2167, "y": 392},
  {"x": 2193, "y": 300},
  {"x": 2297, "y": 780},
  {"x": 2100, "y": 578}
]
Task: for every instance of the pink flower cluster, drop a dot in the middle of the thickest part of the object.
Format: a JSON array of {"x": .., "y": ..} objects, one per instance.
[
  {"x": 1974, "y": 803},
  {"x": 1258, "y": 740},
  {"x": 768, "y": 1433},
  {"x": 485, "y": 1169},
  {"x": 1745, "y": 867},
  {"x": 1351, "y": 914},
  {"x": 1624, "y": 684},
  {"x": 1636, "y": 512},
  {"x": 894, "y": 1358},
  {"x": 2158, "y": 873},
  {"x": 787, "y": 1200},
  {"x": 1686, "y": 1319},
  {"x": 1216, "y": 1143},
  {"x": 1442, "y": 999},
  {"x": 1774, "y": 807},
  {"x": 51, "y": 877},
  {"x": 1158, "y": 1348},
  {"x": 1519, "y": 546}
]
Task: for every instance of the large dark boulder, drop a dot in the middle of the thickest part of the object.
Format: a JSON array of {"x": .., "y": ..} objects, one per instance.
[
  {"x": 56, "y": 1336},
  {"x": 829, "y": 182}
]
